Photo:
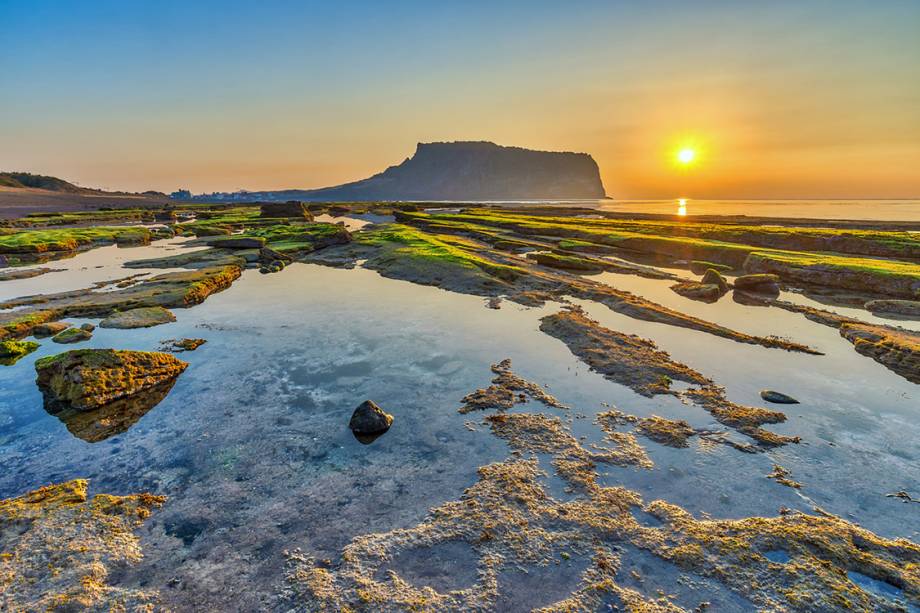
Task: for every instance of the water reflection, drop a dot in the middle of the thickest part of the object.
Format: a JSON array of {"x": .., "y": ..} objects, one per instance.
[
  {"x": 682, "y": 206},
  {"x": 111, "y": 419}
]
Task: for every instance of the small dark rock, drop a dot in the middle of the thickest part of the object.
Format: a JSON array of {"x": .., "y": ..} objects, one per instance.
[
  {"x": 777, "y": 397},
  {"x": 369, "y": 418}
]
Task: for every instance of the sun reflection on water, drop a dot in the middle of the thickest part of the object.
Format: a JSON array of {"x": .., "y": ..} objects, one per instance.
[{"x": 681, "y": 206}]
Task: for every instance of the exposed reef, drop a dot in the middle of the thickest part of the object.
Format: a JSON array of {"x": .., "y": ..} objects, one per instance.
[
  {"x": 507, "y": 389},
  {"x": 465, "y": 265},
  {"x": 624, "y": 358},
  {"x": 640, "y": 365},
  {"x": 57, "y": 547},
  {"x": 507, "y": 522}
]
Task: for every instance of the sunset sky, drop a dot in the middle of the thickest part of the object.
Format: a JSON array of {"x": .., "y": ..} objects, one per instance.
[{"x": 779, "y": 99}]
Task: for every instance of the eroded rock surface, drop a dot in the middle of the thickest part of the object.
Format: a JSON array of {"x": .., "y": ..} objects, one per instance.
[
  {"x": 508, "y": 521},
  {"x": 57, "y": 546}
]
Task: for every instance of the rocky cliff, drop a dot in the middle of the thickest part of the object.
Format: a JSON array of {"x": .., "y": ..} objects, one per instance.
[
  {"x": 468, "y": 171},
  {"x": 478, "y": 171}
]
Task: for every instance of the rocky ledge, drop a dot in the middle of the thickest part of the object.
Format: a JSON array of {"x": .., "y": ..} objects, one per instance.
[{"x": 86, "y": 379}]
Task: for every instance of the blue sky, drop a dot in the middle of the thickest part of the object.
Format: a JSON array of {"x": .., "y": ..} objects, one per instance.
[{"x": 783, "y": 99}]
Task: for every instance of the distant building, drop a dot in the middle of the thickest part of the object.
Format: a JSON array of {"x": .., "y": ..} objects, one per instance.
[{"x": 182, "y": 194}]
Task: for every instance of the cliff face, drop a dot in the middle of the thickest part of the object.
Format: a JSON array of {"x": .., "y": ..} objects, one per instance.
[
  {"x": 477, "y": 171},
  {"x": 469, "y": 171}
]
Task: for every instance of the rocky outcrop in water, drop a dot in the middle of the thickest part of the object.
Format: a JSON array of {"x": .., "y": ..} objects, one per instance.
[
  {"x": 87, "y": 379},
  {"x": 370, "y": 419},
  {"x": 72, "y": 335},
  {"x": 144, "y": 317},
  {"x": 777, "y": 397}
]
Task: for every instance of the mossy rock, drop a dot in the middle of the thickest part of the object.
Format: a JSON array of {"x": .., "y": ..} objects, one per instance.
[
  {"x": 12, "y": 351},
  {"x": 211, "y": 231},
  {"x": 145, "y": 317},
  {"x": 87, "y": 379},
  {"x": 72, "y": 335}
]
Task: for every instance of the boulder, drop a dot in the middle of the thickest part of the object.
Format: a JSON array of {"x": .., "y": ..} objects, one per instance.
[
  {"x": 49, "y": 329},
  {"x": 238, "y": 242},
  {"x": 369, "y": 418},
  {"x": 144, "y": 317},
  {"x": 777, "y": 397},
  {"x": 758, "y": 283},
  {"x": 72, "y": 335},
  {"x": 86, "y": 379},
  {"x": 87, "y": 327},
  {"x": 289, "y": 209},
  {"x": 697, "y": 291},
  {"x": 712, "y": 277}
]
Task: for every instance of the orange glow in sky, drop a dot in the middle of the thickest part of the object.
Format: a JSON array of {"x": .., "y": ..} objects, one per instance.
[{"x": 771, "y": 100}]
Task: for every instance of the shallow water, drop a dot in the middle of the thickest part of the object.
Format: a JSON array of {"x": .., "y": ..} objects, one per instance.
[
  {"x": 907, "y": 209},
  {"x": 253, "y": 450},
  {"x": 875, "y": 210},
  {"x": 85, "y": 268}
]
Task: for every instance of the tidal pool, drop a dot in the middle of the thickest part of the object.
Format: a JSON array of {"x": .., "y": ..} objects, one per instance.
[{"x": 253, "y": 450}]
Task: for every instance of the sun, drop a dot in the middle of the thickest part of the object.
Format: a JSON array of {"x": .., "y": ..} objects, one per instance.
[{"x": 686, "y": 156}]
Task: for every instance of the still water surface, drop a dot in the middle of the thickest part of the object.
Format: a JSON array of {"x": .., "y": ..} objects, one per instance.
[{"x": 252, "y": 445}]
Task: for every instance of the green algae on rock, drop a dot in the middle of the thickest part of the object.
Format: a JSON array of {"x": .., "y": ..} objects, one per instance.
[
  {"x": 12, "y": 351},
  {"x": 86, "y": 379},
  {"x": 144, "y": 317},
  {"x": 72, "y": 335},
  {"x": 58, "y": 546},
  {"x": 69, "y": 239}
]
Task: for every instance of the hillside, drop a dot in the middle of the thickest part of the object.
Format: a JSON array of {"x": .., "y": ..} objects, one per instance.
[{"x": 29, "y": 180}]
